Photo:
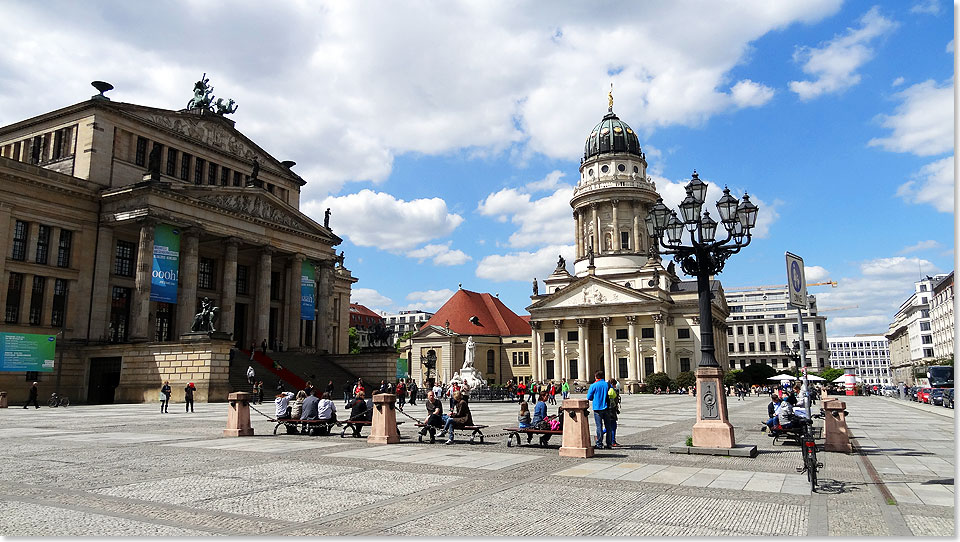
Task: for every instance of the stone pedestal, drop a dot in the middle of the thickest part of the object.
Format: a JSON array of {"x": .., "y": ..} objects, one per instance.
[
  {"x": 238, "y": 417},
  {"x": 383, "y": 430},
  {"x": 3, "y": 399},
  {"x": 713, "y": 428},
  {"x": 577, "y": 441},
  {"x": 836, "y": 438}
]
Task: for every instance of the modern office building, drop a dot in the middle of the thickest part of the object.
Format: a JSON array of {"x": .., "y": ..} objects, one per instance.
[
  {"x": 911, "y": 332},
  {"x": 868, "y": 355},
  {"x": 941, "y": 318},
  {"x": 403, "y": 322}
]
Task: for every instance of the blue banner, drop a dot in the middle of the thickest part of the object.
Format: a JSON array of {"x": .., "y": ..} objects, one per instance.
[
  {"x": 27, "y": 352},
  {"x": 307, "y": 290},
  {"x": 166, "y": 264}
]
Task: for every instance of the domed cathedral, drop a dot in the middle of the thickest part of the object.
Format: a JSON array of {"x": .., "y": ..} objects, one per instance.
[{"x": 621, "y": 310}]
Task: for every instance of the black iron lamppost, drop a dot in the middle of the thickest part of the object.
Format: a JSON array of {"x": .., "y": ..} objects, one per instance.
[
  {"x": 794, "y": 355},
  {"x": 703, "y": 256}
]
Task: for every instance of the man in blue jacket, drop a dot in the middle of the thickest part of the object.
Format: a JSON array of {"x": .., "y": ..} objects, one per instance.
[{"x": 598, "y": 395}]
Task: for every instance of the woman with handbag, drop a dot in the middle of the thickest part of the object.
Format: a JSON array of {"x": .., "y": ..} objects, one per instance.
[{"x": 165, "y": 396}]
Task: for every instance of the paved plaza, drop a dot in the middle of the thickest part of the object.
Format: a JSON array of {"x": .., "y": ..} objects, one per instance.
[{"x": 128, "y": 470}]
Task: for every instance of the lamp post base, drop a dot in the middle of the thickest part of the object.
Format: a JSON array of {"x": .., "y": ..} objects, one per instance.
[{"x": 713, "y": 428}]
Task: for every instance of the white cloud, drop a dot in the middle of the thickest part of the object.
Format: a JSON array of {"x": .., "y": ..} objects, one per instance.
[
  {"x": 815, "y": 273},
  {"x": 523, "y": 266},
  {"x": 834, "y": 64},
  {"x": 369, "y": 298},
  {"x": 427, "y": 300},
  {"x": 919, "y": 125},
  {"x": 928, "y": 7},
  {"x": 950, "y": 47},
  {"x": 344, "y": 87},
  {"x": 380, "y": 220},
  {"x": 547, "y": 220},
  {"x": 747, "y": 93},
  {"x": 897, "y": 82},
  {"x": 933, "y": 184},
  {"x": 440, "y": 254},
  {"x": 674, "y": 192},
  {"x": 921, "y": 246},
  {"x": 550, "y": 182},
  {"x": 876, "y": 293}
]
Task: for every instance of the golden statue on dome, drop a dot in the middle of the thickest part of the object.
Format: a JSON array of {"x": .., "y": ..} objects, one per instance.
[{"x": 610, "y": 99}]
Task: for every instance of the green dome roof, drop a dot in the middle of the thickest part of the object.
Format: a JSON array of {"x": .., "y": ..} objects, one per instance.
[{"x": 609, "y": 136}]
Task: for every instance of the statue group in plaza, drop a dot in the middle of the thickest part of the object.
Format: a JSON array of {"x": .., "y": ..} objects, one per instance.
[
  {"x": 203, "y": 99},
  {"x": 469, "y": 375},
  {"x": 206, "y": 319}
]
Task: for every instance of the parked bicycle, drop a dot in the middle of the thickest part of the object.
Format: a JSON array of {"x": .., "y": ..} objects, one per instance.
[
  {"x": 808, "y": 448},
  {"x": 57, "y": 400}
]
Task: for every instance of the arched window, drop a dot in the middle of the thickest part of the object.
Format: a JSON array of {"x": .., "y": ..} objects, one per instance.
[{"x": 491, "y": 364}]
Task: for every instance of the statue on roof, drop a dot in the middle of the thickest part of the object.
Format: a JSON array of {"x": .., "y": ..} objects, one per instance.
[
  {"x": 340, "y": 259},
  {"x": 256, "y": 168},
  {"x": 153, "y": 161},
  {"x": 610, "y": 99},
  {"x": 561, "y": 263},
  {"x": 226, "y": 108},
  {"x": 535, "y": 287},
  {"x": 202, "y": 94},
  {"x": 326, "y": 219},
  {"x": 590, "y": 256}
]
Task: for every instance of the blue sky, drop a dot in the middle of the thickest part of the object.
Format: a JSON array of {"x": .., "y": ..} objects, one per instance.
[{"x": 446, "y": 136}]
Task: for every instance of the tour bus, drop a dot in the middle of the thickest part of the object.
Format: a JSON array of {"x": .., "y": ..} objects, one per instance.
[{"x": 937, "y": 376}]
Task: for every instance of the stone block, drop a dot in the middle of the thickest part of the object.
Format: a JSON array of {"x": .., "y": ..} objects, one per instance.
[{"x": 576, "y": 429}]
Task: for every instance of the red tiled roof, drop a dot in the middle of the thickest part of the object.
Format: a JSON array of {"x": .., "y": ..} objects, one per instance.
[
  {"x": 361, "y": 310},
  {"x": 525, "y": 318},
  {"x": 493, "y": 316}
]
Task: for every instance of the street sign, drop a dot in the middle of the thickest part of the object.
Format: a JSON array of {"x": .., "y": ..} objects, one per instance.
[{"x": 796, "y": 283}]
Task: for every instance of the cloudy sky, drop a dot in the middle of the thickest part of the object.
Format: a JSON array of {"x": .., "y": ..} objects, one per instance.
[{"x": 446, "y": 136}]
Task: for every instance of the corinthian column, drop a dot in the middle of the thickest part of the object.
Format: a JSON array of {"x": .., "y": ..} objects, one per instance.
[
  {"x": 228, "y": 295},
  {"x": 607, "y": 353},
  {"x": 660, "y": 361},
  {"x": 140, "y": 311},
  {"x": 293, "y": 303},
  {"x": 632, "y": 368},
  {"x": 578, "y": 224},
  {"x": 597, "y": 240},
  {"x": 535, "y": 347},
  {"x": 582, "y": 347},
  {"x": 615, "y": 242},
  {"x": 187, "y": 293},
  {"x": 262, "y": 299}
]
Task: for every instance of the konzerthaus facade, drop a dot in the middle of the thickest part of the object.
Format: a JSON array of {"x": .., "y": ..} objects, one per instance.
[{"x": 80, "y": 218}]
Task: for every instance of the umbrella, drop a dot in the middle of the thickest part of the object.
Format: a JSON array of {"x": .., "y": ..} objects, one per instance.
[
  {"x": 782, "y": 377},
  {"x": 840, "y": 380},
  {"x": 814, "y": 378}
]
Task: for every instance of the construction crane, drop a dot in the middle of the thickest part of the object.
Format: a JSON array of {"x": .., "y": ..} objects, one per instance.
[{"x": 832, "y": 283}]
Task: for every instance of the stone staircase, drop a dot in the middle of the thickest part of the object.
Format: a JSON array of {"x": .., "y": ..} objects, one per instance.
[{"x": 296, "y": 370}]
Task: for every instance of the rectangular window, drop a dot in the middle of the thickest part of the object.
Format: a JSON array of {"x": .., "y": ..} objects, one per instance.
[
  {"x": 924, "y": 326},
  {"x": 625, "y": 240},
  {"x": 818, "y": 326},
  {"x": 125, "y": 259},
  {"x": 185, "y": 167},
  {"x": 928, "y": 352},
  {"x": 760, "y": 330},
  {"x": 16, "y": 151},
  {"x": 740, "y": 347},
  {"x": 199, "y": 166},
  {"x": 684, "y": 365},
  {"x": 171, "y": 162},
  {"x": 163, "y": 326},
  {"x": 548, "y": 337},
  {"x": 763, "y": 347},
  {"x": 64, "y": 247},
  {"x": 621, "y": 334},
  {"x": 622, "y": 367},
  {"x": 14, "y": 289},
  {"x": 270, "y": 187},
  {"x": 806, "y": 328},
  {"x": 753, "y": 347},
  {"x": 59, "y": 311},
  {"x": 739, "y": 330},
  {"x": 770, "y": 328},
  {"x": 749, "y": 330},
  {"x": 140, "y": 158},
  {"x": 526, "y": 358},
  {"x": 794, "y": 328},
  {"x": 59, "y": 138},
  {"x": 926, "y": 339},
  {"x": 43, "y": 244},
  {"x": 729, "y": 347},
  {"x": 683, "y": 333},
  {"x": 276, "y": 287},
  {"x": 782, "y": 328},
  {"x": 924, "y": 313},
  {"x": 573, "y": 335},
  {"x": 224, "y": 176},
  {"x": 646, "y": 333},
  {"x": 19, "y": 241},
  {"x": 819, "y": 345},
  {"x": 119, "y": 314},
  {"x": 515, "y": 361},
  {"x": 730, "y": 331},
  {"x": 806, "y": 345},
  {"x": 36, "y": 300},
  {"x": 773, "y": 346},
  {"x": 205, "y": 273},
  {"x": 237, "y": 179},
  {"x": 212, "y": 174},
  {"x": 243, "y": 281},
  {"x": 648, "y": 366},
  {"x": 36, "y": 150}
]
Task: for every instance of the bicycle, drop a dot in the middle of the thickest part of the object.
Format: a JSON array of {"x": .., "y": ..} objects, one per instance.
[
  {"x": 57, "y": 400},
  {"x": 808, "y": 447}
]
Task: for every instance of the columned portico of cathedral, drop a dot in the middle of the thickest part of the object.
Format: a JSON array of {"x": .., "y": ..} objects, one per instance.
[{"x": 620, "y": 311}]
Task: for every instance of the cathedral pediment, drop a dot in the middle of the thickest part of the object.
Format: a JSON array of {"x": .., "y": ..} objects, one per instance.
[{"x": 592, "y": 291}]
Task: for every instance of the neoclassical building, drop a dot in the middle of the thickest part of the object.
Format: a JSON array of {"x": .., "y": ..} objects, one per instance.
[
  {"x": 620, "y": 310},
  {"x": 82, "y": 221}
]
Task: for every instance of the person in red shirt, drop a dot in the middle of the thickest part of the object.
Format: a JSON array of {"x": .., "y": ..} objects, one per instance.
[
  {"x": 552, "y": 393},
  {"x": 521, "y": 391}
]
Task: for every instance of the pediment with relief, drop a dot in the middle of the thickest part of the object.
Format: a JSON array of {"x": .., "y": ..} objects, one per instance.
[
  {"x": 210, "y": 132},
  {"x": 258, "y": 207},
  {"x": 592, "y": 292}
]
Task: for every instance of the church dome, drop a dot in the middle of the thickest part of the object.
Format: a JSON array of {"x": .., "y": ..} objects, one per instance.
[{"x": 611, "y": 135}]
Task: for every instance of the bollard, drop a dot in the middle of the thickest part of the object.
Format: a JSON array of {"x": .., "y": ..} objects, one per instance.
[
  {"x": 836, "y": 437},
  {"x": 577, "y": 441},
  {"x": 383, "y": 429},
  {"x": 238, "y": 418},
  {"x": 3, "y": 399}
]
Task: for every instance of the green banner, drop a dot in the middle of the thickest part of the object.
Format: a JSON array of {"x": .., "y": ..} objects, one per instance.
[
  {"x": 403, "y": 369},
  {"x": 307, "y": 291},
  {"x": 27, "y": 352},
  {"x": 166, "y": 264}
]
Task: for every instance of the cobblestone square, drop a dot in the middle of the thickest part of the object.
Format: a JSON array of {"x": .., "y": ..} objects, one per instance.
[{"x": 123, "y": 470}]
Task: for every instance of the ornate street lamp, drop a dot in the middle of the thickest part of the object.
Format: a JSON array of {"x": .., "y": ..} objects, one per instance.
[{"x": 703, "y": 257}]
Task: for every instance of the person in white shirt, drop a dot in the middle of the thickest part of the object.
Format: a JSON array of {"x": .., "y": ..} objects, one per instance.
[
  {"x": 785, "y": 412},
  {"x": 283, "y": 404},
  {"x": 326, "y": 409}
]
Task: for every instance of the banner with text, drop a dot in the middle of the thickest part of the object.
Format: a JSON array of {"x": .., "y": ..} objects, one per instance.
[
  {"x": 166, "y": 264},
  {"x": 27, "y": 352},
  {"x": 307, "y": 290}
]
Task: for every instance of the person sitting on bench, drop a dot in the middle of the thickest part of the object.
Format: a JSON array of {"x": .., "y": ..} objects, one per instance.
[
  {"x": 785, "y": 415},
  {"x": 459, "y": 417},
  {"x": 435, "y": 415},
  {"x": 773, "y": 409},
  {"x": 310, "y": 407},
  {"x": 358, "y": 412},
  {"x": 297, "y": 409},
  {"x": 283, "y": 404},
  {"x": 326, "y": 410},
  {"x": 523, "y": 420}
]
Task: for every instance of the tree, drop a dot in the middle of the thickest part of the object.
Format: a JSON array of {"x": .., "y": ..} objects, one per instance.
[
  {"x": 758, "y": 373},
  {"x": 730, "y": 378},
  {"x": 659, "y": 380},
  {"x": 830, "y": 374},
  {"x": 686, "y": 379},
  {"x": 403, "y": 338},
  {"x": 354, "y": 340}
]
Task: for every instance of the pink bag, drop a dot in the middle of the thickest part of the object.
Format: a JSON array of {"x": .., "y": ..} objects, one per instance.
[{"x": 554, "y": 424}]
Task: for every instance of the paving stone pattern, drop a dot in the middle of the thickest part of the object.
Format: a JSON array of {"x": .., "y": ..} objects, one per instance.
[{"x": 126, "y": 470}]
